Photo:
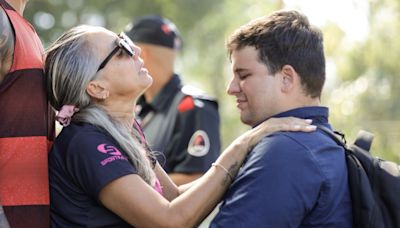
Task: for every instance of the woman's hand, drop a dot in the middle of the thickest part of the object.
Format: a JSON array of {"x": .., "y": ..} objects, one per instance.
[{"x": 253, "y": 136}]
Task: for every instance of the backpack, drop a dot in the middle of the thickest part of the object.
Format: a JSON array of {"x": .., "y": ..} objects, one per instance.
[{"x": 374, "y": 183}]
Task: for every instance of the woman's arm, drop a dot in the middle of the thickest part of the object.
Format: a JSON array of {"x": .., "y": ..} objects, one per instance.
[
  {"x": 170, "y": 190},
  {"x": 140, "y": 205}
]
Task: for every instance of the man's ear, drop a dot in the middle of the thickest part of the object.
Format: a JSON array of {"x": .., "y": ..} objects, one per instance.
[
  {"x": 289, "y": 78},
  {"x": 97, "y": 90}
]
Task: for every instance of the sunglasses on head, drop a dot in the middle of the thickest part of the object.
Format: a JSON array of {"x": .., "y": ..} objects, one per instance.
[{"x": 124, "y": 43}]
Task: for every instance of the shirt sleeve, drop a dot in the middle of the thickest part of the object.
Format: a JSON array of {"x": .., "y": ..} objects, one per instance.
[
  {"x": 276, "y": 187},
  {"x": 94, "y": 160},
  {"x": 196, "y": 143}
]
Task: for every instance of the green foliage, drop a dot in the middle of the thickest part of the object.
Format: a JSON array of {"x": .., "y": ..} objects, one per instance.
[
  {"x": 370, "y": 81},
  {"x": 333, "y": 41}
]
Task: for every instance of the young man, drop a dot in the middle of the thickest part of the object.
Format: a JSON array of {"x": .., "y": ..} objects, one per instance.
[
  {"x": 290, "y": 179},
  {"x": 178, "y": 121},
  {"x": 26, "y": 126}
]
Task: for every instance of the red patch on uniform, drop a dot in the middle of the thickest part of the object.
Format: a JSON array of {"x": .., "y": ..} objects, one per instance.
[
  {"x": 199, "y": 144},
  {"x": 166, "y": 29},
  {"x": 186, "y": 104},
  {"x": 198, "y": 141}
]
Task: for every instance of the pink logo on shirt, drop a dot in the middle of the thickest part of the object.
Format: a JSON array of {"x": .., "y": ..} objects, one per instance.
[
  {"x": 111, "y": 150},
  {"x": 107, "y": 149}
]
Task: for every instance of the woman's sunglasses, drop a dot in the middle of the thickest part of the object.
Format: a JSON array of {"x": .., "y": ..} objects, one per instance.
[{"x": 124, "y": 43}]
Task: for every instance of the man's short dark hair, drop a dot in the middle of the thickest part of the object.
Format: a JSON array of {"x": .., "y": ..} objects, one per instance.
[{"x": 285, "y": 38}]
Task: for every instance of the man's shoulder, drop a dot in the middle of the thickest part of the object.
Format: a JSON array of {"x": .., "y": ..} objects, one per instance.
[
  {"x": 197, "y": 93},
  {"x": 284, "y": 139},
  {"x": 305, "y": 139},
  {"x": 293, "y": 144},
  {"x": 298, "y": 148},
  {"x": 195, "y": 100}
]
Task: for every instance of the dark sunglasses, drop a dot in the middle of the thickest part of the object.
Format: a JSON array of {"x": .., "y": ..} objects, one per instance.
[{"x": 124, "y": 43}]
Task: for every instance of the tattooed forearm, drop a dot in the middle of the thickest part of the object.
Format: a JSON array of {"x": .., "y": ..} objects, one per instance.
[
  {"x": 226, "y": 181},
  {"x": 234, "y": 169}
]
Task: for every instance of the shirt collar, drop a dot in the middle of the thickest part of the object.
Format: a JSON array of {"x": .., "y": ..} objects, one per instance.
[{"x": 318, "y": 114}]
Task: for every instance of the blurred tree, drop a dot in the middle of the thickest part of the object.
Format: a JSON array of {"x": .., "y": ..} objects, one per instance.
[
  {"x": 52, "y": 17},
  {"x": 370, "y": 81}
]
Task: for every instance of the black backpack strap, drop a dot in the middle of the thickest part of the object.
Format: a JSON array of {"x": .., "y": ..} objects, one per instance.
[
  {"x": 357, "y": 179},
  {"x": 334, "y": 135},
  {"x": 364, "y": 140}
]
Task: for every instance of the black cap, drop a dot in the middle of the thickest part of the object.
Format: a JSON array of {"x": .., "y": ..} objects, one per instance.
[{"x": 155, "y": 30}]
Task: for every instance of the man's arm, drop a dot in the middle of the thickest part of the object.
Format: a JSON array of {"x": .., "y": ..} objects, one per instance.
[
  {"x": 6, "y": 44},
  {"x": 275, "y": 188}
]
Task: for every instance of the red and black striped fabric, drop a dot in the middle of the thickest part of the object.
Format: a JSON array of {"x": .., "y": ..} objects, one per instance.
[{"x": 26, "y": 130}]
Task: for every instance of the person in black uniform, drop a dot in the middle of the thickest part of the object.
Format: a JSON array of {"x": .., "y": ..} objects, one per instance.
[{"x": 179, "y": 121}]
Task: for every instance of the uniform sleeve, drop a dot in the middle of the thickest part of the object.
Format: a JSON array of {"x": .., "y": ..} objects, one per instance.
[
  {"x": 94, "y": 160},
  {"x": 196, "y": 143},
  {"x": 276, "y": 187}
]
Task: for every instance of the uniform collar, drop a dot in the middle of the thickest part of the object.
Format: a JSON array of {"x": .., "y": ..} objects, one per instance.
[{"x": 165, "y": 96}]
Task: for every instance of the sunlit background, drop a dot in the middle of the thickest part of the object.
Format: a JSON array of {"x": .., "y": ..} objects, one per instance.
[{"x": 361, "y": 48}]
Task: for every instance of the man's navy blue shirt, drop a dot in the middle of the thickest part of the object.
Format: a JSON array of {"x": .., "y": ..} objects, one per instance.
[{"x": 291, "y": 179}]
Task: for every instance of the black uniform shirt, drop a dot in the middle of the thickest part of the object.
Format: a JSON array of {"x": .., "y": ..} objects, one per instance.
[{"x": 183, "y": 125}]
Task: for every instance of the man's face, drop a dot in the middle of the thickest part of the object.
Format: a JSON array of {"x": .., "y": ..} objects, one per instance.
[{"x": 255, "y": 89}]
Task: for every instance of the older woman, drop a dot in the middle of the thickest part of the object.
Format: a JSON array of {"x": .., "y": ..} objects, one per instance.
[{"x": 101, "y": 171}]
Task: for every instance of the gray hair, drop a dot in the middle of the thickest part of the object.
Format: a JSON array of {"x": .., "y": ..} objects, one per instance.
[{"x": 71, "y": 63}]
